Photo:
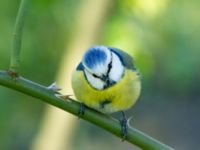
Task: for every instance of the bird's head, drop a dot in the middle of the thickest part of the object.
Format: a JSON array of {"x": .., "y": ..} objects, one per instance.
[{"x": 102, "y": 67}]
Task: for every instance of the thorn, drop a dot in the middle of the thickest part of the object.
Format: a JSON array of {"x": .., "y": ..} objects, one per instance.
[
  {"x": 128, "y": 120},
  {"x": 63, "y": 96},
  {"x": 53, "y": 87}
]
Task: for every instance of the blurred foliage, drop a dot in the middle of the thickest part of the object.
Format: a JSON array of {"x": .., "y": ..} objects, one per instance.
[
  {"x": 162, "y": 35},
  {"x": 47, "y": 31}
]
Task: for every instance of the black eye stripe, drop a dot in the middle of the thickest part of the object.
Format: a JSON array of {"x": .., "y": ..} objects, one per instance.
[
  {"x": 94, "y": 75},
  {"x": 109, "y": 65}
]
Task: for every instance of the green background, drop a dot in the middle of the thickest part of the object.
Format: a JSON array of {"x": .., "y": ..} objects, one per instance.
[{"x": 164, "y": 38}]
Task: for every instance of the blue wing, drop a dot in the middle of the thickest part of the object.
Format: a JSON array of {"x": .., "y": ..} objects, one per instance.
[
  {"x": 125, "y": 58},
  {"x": 80, "y": 67}
]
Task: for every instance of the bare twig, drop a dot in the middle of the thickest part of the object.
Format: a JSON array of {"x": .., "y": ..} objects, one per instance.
[
  {"x": 17, "y": 38},
  {"x": 104, "y": 121}
]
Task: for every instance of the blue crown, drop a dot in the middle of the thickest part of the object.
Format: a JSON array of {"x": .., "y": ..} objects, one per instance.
[{"x": 94, "y": 56}]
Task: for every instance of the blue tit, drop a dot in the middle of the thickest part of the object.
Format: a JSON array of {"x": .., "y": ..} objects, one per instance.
[{"x": 107, "y": 80}]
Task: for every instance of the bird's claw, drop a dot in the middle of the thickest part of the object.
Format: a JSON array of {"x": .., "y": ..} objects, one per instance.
[{"x": 124, "y": 129}]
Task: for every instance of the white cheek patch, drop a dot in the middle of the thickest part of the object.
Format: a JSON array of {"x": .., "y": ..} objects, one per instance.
[
  {"x": 117, "y": 69},
  {"x": 100, "y": 69},
  {"x": 94, "y": 82}
]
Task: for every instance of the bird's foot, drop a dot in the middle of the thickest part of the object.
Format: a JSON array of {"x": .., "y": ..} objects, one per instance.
[
  {"x": 81, "y": 110},
  {"x": 124, "y": 126}
]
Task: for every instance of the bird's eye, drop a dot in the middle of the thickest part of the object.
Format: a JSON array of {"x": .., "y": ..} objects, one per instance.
[{"x": 94, "y": 75}]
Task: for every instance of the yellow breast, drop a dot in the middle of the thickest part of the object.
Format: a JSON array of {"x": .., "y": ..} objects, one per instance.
[{"x": 120, "y": 96}]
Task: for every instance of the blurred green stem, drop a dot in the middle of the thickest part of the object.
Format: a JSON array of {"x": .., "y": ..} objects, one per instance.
[
  {"x": 104, "y": 121},
  {"x": 17, "y": 37}
]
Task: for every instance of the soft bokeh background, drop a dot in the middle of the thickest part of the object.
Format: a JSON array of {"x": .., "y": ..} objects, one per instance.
[{"x": 162, "y": 35}]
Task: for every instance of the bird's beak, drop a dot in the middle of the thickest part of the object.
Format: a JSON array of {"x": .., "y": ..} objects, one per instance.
[
  {"x": 105, "y": 78},
  {"x": 108, "y": 81}
]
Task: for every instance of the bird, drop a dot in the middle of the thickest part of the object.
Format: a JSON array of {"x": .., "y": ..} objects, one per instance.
[{"x": 107, "y": 80}]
